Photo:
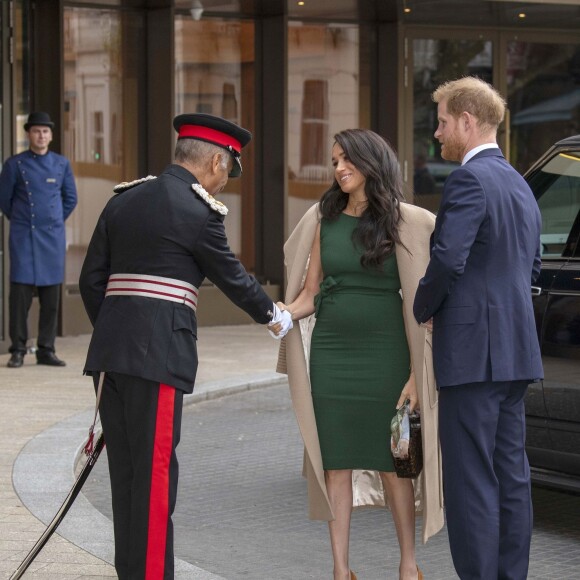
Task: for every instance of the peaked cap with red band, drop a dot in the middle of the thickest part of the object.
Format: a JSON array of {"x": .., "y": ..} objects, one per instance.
[{"x": 214, "y": 130}]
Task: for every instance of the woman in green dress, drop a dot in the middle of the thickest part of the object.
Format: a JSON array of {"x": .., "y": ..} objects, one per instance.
[{"x": 360, "y": 368}]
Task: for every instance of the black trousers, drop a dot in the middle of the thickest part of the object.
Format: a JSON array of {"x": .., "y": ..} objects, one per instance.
[
  {"x": 141, "y": 422},
  {"x": 19, "y": 303}
]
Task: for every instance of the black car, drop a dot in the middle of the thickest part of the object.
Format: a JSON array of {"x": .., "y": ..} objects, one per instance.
[{"x": 553, "y": 406}]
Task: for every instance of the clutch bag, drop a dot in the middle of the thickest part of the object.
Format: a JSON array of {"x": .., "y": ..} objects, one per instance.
[{"x": 406, "y": 444}]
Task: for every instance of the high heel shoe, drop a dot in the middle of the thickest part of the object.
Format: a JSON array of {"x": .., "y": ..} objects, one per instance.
[
  {"x": 352, "y": 575},
  {"x": 419, "y": 574}
]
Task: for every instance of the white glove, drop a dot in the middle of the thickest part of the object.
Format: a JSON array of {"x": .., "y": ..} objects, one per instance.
[{"x": 284, "y": 319}]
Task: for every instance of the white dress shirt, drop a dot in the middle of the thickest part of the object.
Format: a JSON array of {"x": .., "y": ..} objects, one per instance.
[{"x": 477, "y": 149}]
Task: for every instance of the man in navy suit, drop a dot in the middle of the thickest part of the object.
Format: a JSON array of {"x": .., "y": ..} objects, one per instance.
[{"x": 476, "y": 294}]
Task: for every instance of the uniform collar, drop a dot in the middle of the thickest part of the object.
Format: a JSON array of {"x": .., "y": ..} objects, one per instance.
[
  {"x": 182, "y": 173},
  {"x": 31, "y": 153}
]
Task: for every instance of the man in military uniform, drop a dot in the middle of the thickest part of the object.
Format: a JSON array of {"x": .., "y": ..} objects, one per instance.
[
  {"x": 37, "y": 194},
  {"x": 153, "y": 245}
]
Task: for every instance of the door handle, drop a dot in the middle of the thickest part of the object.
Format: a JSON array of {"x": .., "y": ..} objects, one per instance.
[{"x": 536, "y": 291}]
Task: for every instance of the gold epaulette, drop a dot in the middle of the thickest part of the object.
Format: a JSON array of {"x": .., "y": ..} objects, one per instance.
[{"x": 125, "y": 185}]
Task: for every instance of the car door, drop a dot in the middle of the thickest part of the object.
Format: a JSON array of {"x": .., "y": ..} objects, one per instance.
[
  {"x": 554, "y": 418},
  {"x": 538, "y": 442},
  {"x": 561, "y": 358}
]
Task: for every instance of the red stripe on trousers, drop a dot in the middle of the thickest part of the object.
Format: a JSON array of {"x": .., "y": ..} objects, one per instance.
[{"x": 159, "y": 498}]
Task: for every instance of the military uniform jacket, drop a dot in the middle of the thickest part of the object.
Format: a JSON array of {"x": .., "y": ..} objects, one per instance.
[
  {"x": 37, "y": 194},
  {"x": 159, "y": 228}
]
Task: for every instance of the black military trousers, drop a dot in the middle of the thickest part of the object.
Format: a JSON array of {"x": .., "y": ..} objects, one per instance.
[
  {"x": 19, "y": 303},
  {"x": 142, "y": 424}
]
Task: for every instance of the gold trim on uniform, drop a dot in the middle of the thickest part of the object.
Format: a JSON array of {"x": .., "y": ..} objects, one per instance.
[
  {"x": 125, "y": 185},
  {"x": 209, "y": 199}
]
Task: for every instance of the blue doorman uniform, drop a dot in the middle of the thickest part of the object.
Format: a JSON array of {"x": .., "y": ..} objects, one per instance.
[
  {"x": 154, "y": 244},
  {"x": 37, "y": 195}
]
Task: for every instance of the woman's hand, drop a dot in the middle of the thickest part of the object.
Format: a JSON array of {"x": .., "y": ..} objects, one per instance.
[{"x": 409, "y": 392}]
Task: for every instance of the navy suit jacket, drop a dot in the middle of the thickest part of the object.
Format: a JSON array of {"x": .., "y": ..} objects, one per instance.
[{"x": 485, "y": 255}]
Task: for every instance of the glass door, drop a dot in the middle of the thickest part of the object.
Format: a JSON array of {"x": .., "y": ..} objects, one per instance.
[
  {"x": 326, "y": 93},
  {"x": 14, "y": 108},
  {"x": 542, "y": 84},
  {"x": 215, "y": 74},
  {"x": 537, "y": 72},
  {"x": 431, "y": 61},
  {"x": 101, "y": 116},
  {"x": 21, "y": 72}
]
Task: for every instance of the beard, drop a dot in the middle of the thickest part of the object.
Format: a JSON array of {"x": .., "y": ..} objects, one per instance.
[{"x": 452, "y": 148}]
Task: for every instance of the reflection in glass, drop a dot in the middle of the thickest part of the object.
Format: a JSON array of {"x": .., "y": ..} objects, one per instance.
[
  {"x": 323, "y": 99},
  {"x": 199, "y": 8},
  {"x": 20, "y": 85},
  {"x": 21, "y": 106},
  {"x": 329, "y": 9},
  {"x": 435, "y": 62},
  {"x": 558, "y": 184},
  {"x": 99, "y": 130},
  {"x": 214, "y": 74},
  {"x": 21, "y": 72},
  {"x": 543, "y": 86}
]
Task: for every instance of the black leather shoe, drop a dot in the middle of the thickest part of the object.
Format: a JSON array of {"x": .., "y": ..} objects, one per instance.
[
  {"x": 50, "y": 359},
  {"x": 16, "y": 360}
]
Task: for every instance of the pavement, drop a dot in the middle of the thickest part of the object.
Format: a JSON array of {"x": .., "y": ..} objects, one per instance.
[
  {"x": 45, "y": 415},
  {"x": 241, "y": 509}
]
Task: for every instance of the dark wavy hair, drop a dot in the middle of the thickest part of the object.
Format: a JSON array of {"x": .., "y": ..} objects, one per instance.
[{"x": 377, "y": 231}]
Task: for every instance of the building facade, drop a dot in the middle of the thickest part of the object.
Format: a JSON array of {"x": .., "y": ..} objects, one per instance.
[{"x": 113, "y": 74}]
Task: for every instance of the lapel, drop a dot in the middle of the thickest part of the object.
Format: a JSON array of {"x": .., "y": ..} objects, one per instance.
[{"x": 297, "y": 251}]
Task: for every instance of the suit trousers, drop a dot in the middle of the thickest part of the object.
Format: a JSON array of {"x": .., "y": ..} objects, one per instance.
[
  {"x": 486, "y": 479},
  {"x": 19, "y": 303},
  {"x": 141, "y": 422}
]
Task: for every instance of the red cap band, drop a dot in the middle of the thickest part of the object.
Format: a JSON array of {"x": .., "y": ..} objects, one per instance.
[{"x": 211, "y": 135}]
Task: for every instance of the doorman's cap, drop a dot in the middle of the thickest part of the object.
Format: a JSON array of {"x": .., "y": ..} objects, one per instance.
[
  {"x": 38, "y": 118},
  {"x": 214, "y": 130}
]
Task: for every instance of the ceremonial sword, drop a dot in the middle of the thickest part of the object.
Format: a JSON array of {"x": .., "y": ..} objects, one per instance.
[{"x": 70, "y": 498}]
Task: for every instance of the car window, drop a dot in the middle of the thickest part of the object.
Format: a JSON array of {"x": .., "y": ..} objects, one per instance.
[
  {"x": 557, "y": 189},
  {"x": 573, "y": 245}
]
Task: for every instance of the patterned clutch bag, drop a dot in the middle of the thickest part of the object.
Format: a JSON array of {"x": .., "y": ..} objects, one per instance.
[{"x": 406, "y": 444}]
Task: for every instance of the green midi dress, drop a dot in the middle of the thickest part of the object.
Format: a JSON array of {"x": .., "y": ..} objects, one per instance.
[{"x": 359, "y": 357}]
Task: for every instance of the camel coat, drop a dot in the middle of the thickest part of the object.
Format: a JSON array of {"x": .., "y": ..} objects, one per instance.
[{"x": 415, "y": 230}]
